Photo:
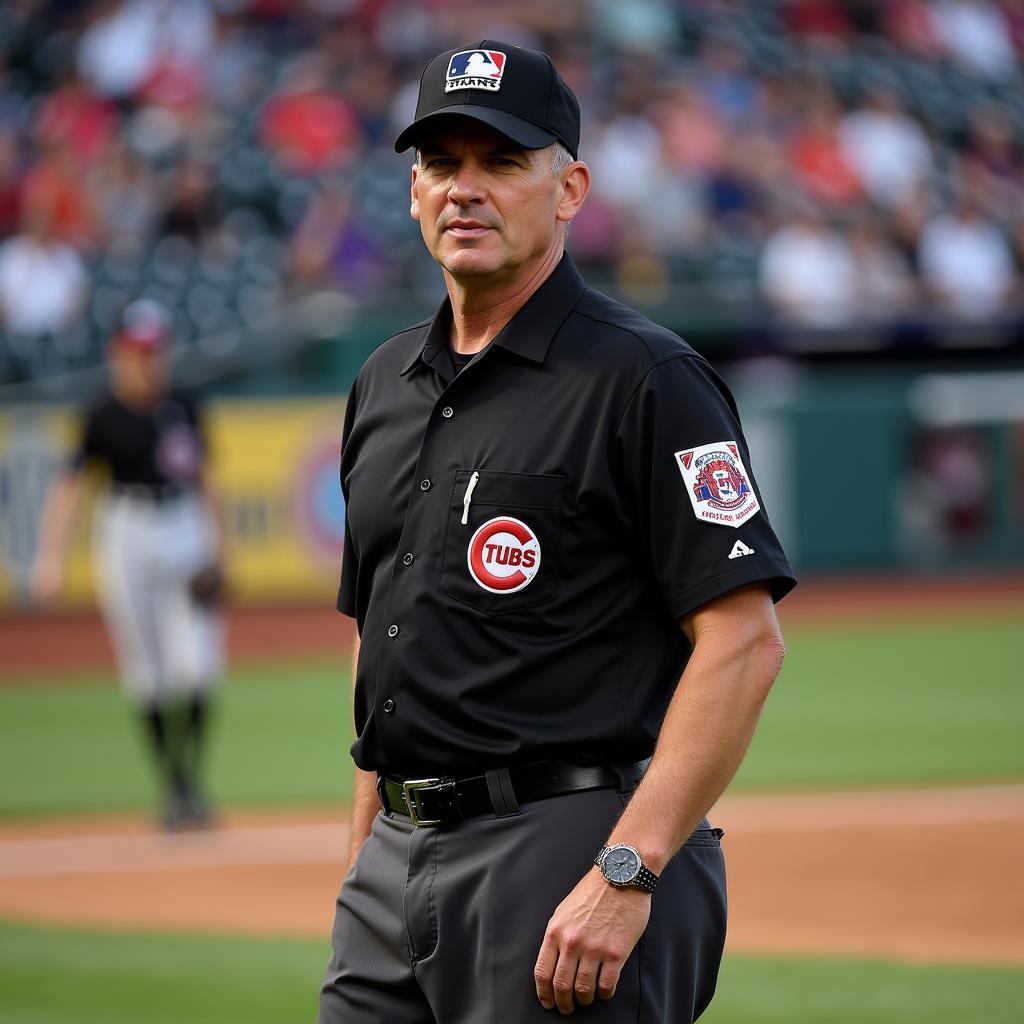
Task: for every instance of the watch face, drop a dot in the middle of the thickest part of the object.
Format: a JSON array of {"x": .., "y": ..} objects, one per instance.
[{"x": 621, "y": 865}]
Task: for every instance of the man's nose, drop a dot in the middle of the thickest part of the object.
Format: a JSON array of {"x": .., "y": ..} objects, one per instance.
[{"x": 466, "y": 186}]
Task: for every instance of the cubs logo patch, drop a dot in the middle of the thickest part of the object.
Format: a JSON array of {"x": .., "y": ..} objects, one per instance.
[
  {"x": 503, "y": 555},
  {"x": 475, "y": 69},
  {"x": 718, "y": 483}
]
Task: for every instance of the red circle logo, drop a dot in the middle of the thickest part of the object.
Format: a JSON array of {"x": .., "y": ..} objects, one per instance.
[{"x": 503, "y": 555}]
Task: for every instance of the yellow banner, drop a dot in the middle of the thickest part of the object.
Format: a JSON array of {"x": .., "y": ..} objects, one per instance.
[{"x": 273, "y": 462}]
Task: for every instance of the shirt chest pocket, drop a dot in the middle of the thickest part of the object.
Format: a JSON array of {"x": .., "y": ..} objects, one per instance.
[{"x": 503, "y": 533}]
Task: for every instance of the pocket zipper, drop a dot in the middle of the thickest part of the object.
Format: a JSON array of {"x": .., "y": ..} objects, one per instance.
[{"x": 469, "y": 497}]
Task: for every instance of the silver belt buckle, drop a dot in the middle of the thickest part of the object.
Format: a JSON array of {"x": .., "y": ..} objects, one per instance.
[{"x": 409, "y": 795}]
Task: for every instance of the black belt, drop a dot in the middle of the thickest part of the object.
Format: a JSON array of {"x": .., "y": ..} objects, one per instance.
[{"x": 443, "y": 801}]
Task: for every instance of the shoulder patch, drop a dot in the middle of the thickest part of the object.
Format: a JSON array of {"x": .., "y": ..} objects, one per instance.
[{"x": 718, "y": 483}]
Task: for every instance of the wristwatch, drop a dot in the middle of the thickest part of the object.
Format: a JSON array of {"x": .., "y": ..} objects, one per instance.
[{"x": 621, "y": 866}]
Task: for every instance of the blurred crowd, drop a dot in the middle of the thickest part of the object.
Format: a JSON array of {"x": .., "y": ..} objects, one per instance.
[{"x": 829, "y": 164}]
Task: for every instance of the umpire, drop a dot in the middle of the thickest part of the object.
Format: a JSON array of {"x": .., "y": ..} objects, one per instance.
[{"x": 563, "y": 579}]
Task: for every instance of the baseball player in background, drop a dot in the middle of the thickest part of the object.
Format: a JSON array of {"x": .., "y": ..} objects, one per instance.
[
  {"x": 157, "y": 551},
  {"x": 563, "y": 580}
]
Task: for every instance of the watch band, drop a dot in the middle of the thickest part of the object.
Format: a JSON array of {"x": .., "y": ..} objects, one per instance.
[{"x": 644, "y": 879}]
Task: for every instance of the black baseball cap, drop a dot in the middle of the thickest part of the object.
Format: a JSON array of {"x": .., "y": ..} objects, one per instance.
[{"x": 516, "y": 91}]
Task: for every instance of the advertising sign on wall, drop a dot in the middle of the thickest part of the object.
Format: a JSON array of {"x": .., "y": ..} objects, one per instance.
[{"x": 274, "y": 464}]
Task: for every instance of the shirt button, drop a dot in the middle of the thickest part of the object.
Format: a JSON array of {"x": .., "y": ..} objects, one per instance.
[
  {"x": 447, "y": 412},
  {"x": 425, "y": 485},
  {"x": 408, "y": 559},
  {"x": 388, "y": 705},
  {"x": 392, "y": 631}
]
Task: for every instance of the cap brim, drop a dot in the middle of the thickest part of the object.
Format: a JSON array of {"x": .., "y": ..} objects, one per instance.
[{"x": 523, "y": 133}]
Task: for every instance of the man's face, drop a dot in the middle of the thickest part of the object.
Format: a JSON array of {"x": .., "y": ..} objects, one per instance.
[
  {"x": 485, "y": 205},
  {"x": 138, "y": 373}
]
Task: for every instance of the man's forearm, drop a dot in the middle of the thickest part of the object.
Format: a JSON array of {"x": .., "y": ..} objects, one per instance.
[
  {"x": 364, "y": 809},
  {"x": 364, "y": 791},
  {"x": 54, "y": 531},
  {"x": 737, "y": 653}
]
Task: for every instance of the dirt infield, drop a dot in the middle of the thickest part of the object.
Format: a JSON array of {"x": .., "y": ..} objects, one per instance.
[
  {"x": 39, "y": 643},
  {"x": 859, "y": 874}
]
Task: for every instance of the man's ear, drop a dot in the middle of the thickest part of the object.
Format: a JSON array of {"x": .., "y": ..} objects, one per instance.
[
  {"x": 575, "y": 186},
  {"x": 414, "y": 208}
]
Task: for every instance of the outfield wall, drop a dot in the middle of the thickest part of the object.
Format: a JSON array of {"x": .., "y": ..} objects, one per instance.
[
  {"x": 275, "y": 465},
  {"x": 873, "y": 471}
]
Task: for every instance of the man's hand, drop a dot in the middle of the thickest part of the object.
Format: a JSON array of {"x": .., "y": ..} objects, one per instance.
[{"x": 587, "y": 941}]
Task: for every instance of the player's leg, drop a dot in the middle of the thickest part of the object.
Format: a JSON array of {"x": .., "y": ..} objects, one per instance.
[
  {"x": 124, "y": 584},
  {"x": 192, "y": 635},
  {"x": 371, "y": 978}
]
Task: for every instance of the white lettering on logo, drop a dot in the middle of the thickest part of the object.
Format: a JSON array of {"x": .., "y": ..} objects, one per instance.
[{"x": 503, "y": 555}]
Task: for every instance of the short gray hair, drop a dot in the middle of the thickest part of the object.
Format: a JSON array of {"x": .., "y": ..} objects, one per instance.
[{"x": 560, "y": 158}]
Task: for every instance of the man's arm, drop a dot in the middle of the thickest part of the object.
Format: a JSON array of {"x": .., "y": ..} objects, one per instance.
[
  {"x": 737, "y": 653},
  {"x": 364, "y": 794},
  {"x": 54, "y": 532}
]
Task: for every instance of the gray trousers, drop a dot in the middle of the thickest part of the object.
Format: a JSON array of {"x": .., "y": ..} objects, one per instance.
[{"x": 443, "y": 925}]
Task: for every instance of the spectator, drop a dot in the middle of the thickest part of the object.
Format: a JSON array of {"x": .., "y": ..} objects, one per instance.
[
  {"x": 192, "y": 206},
  {"x": 808, "y": 273},
  {"x": 976, "y": 33},
  {"x": 331, "y": 247},
  {"x": 74, "y": 117},
  {"x": 308, "y": 128},
  {"x": 992, "y": 164},
  {"x": 693, "y": 132},
  {"x": 117, "y": 51},
  {"x": 172, "y": 121},
  {"x": 1013, "y": 13},
  {"x": 884, "y": 284},
  {"x": 125, "y": 197},
  {"x": 966, "y": 263},
  {"x": 888, "y": 150},
  {"x": 827, "y": 22},
  {"x": 131, "y": 42},
  {"x": 55, "y": 182},
  {"x": 735, "y": 197},
  {"x": 627, "y": 151},
  {"x": 10, "y": 184},
  {"x": 819, "y": 161},
  {"x": 724, "y": 80},
  {"x": 42, "y": 279}
]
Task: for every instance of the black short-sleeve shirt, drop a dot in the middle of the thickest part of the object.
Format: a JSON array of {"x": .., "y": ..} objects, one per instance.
[
  {"x": 522, "y": 538},
  {"x": 158, "y": 447}
]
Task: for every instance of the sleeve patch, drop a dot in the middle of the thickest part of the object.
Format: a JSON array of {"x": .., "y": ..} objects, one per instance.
[{"x": 718, "y": 483}]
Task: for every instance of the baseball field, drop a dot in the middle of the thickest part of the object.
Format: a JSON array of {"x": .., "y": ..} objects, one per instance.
[{"x": 875, "y": 835}]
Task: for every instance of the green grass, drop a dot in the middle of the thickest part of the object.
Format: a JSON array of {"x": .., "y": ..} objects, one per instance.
[
  {"x": 893, "y": 704},
  {"x": 77, "y": 977},
  {"x": 889, "y": 705},
  {"x": 280, "y": 734},
  {"x": 775, "y": 991}
]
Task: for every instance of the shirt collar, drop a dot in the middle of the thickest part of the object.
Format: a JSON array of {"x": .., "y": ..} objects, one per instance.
[{"x": 529, "y": 333}]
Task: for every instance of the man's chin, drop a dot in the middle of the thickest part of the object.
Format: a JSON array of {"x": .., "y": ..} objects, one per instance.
[{"x": 468, "y": 263}]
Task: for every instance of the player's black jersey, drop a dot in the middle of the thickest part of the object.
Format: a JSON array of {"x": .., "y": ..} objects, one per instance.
[{"x": 154, "y": 448}]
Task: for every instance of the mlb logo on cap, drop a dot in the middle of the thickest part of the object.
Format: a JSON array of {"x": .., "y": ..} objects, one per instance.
[{"x": 475, "y": 69}]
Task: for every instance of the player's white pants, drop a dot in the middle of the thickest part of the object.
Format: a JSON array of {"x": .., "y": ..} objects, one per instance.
[{"x": 166, "y": 645}]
